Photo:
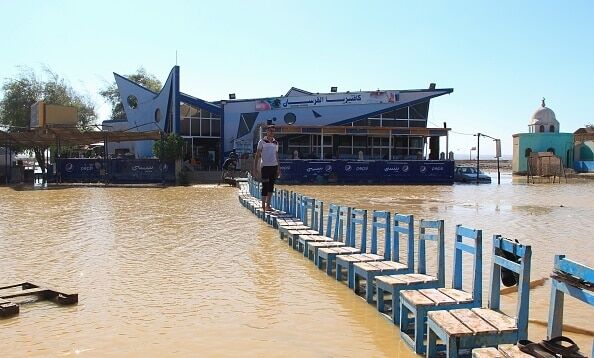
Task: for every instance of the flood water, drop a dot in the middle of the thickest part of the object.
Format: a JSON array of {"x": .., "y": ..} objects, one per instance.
[{"x": 187, "y": 271}]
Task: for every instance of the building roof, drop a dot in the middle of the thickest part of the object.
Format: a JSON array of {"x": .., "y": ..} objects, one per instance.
[{"x": 543, "y": 116}]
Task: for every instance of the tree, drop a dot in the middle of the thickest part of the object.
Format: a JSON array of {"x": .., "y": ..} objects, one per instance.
[
  {"x": 21, "y": 92},
  {"x": 170, "y": 148},
  {"x": 112, "y": 95}
]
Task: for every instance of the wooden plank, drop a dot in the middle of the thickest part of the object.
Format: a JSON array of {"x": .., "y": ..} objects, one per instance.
[
  {"x": 389, "y": 265},
  {"x": 498, "y": 320},
  {"x": 367, "y": 266},
  {"x": 458, "y": 295},
  {"x": 437, "y": 297},
  {"x": 350, "y": 258},
  {"x": 511, "y": 351},
  {"x": 449, "y": 323},
  {"x": 486, "y": 353},
  {"x": 392, "y": 280},
  {"x": 472, "y": 321},
  {"x": 416, "y": 298},
  {"x": 417, "y": 277},
  {"x": 31, "y": 291},
  {"x": 372, "y": 257}
]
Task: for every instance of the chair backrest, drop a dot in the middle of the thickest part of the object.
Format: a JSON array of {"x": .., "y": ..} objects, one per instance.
[
  {"x": 318, "y": 216},
  {"x": 403, "y": 225},
  {"x": 359, "y": 217},
  {"x": 285, "y": 200},
  {"x": 475, "y": 248},
  {"x": 297, "y": 210},
  {"x": 524, "y": 253},
  {"x": 332, "y": 222},
  {"x": 436, "y": 233},
  {"x": 307, "y": 210},
  {"x": 342, "y": 229},
  {"x": 380, "y": 220}
]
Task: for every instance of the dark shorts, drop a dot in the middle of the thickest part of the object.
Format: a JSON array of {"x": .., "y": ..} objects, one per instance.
[{"x": 269, "y": 175}]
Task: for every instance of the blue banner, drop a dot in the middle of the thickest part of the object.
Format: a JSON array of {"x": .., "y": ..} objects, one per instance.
[
  {"x": 115, "y": 170},
  {"x": 367, "y": 172}
]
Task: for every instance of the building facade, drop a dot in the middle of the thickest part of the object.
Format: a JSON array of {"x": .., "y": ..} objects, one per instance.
[
  {"x": 369, "y": 125},
  {"x": 543, "y": 136}
]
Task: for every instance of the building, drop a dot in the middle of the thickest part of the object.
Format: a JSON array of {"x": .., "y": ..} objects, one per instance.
[
  {"x": 584, "y": 149},
  {"x": 543, "y": 136},
  {"x": 390, "y": 124}
]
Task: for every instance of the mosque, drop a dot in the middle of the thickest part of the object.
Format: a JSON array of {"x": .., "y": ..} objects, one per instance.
[{"x": 543, "y": 136}]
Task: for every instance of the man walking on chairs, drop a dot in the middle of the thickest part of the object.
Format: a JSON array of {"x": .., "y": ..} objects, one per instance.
[{"x": 267, "y": 152}]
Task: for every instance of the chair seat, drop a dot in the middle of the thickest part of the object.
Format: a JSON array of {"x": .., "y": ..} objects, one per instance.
[
  {"x": 361, "y": 258},
  {"x": 338, "y": 250},
  {"x": 314, "y": 238},
  {"x": 379, "y": 266},
  {"x": 436, "y": 296},
  {"x": 306, "y": 231},
  {"x": 405, "y": 280},
  {"x": 472, "y": 322},
  {"x": 504, "y": 351},
  {"x": 326, "y": 244}
]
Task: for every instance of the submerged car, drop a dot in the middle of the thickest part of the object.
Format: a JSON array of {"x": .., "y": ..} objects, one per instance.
[{"x": 468, "y": 175}]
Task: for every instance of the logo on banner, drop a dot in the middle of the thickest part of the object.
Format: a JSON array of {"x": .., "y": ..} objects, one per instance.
[
  {"x": 68, "y": 167},
  {"x": 405, "y": 168},
  {"x": 392, "y": 169},
  {"x": 286, "y": 167},
  {"x": 347, "y": 168},
  {"x": 328, "y": 168},
  {"x": 315, "y": 170},
  {"x": 423, "y": 169},
  {"x": 362, "y": 169},
  {"x": 437, "y": 168}
]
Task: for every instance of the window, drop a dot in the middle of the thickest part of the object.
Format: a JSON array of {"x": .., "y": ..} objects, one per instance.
[
  {"x": 527, "y": 152},
  {"x": 552, "y": 128},
  {"x": 541, "y": 129},
  {"x": 551, "y": 150}
]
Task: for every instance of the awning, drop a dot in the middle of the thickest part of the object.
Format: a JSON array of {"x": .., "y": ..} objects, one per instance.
[{"x": 47, "y": 136}]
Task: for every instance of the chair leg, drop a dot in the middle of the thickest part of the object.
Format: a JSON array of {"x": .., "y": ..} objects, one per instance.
[
  {"x": 380, "y": 300},
  {"x": 351, "y": 275},
  {"x": 431, "y": 343},
  {"x": 419, "y": 317},
  {"x": 369, "y": 289},
  {"x": 452, "y": 347}
]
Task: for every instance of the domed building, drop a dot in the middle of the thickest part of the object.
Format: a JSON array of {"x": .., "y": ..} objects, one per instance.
[
  {"x": 543, "y": 120},
  {"x": 543, "y": 136}
]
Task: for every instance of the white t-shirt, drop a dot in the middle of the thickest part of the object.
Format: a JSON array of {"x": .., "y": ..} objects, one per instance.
[{"x": 268, "y": 149}]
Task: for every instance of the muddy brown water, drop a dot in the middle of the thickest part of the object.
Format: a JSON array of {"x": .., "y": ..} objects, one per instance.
[{"x": 187, "y": 271}]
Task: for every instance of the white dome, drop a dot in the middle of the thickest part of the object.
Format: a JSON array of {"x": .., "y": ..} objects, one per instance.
[{"x": 543, "y": 116}]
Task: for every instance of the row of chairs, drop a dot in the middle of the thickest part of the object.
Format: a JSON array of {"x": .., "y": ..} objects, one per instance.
[{"x": 417, "y": 301}]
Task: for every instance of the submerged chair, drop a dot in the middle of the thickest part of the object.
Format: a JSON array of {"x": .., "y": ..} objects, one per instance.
[
  {"x": 477, "y": 327},
  {"x": 295, "y": 222},
  {"x": 415, "y": 304},
  {"x": 429, "y": 230},
  {"x": 357, "y": 218},
  {"x": 380, "y": 221},
  {"x": 391, "y": 264},
  {"x": 331, "y": 231},
  {"x": 341, "y": 240}
]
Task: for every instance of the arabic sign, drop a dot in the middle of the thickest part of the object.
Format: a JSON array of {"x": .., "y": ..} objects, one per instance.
[
  {"x": 367, "y": 172},
  {"x": 328, "y": 100},
  {"x": 117, "y": 170}
]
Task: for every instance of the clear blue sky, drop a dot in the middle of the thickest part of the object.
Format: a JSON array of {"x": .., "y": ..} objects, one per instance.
[{"x": 501, "y": 57}]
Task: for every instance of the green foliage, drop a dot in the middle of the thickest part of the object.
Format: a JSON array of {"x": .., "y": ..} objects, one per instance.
[
  {"x": 170, "y": 148},
  {"x": 21, "y": 92},
  {"x": 112, "y": 95}
]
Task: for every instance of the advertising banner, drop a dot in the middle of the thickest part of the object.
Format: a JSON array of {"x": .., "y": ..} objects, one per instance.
[{"x": 367, "y": 172}]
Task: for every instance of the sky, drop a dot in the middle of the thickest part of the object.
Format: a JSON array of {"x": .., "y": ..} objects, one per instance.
[{"x": 500, "y": 57}]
